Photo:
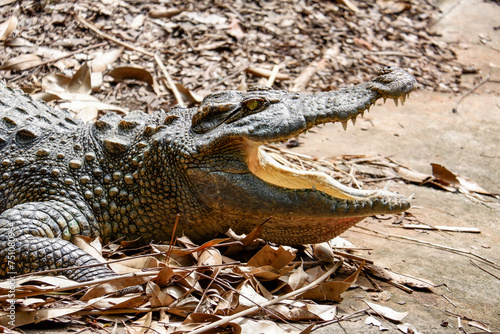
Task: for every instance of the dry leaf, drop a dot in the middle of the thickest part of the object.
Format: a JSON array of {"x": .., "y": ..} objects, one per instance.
[
  {"x": 103, "y": 60},
  {"x": 7, "y": 28},
  {"x": 138, "y": 21},
  {"x": 298, "y": 278},
  {"x": 80, "y": 82},
  {"x": 87, "y": 114},
  {"x": 56, "y": 83},
  {"x": 77, "y": 105},
  {"x": 413, "y": 176},
  {"x": 96, "y": 79},
  {"x": 6, "y": 2},
  {"x": 393, "y": 7},
  {"x": 248, "y": 296},
  {"x": 323, "y": 252},
  {"x": 372, "y": 321},
  {"x": 445, "y": 176},
  {"x": 249, "y": 326},
  {"x": 188, "y": 95},
  {"x": 164, "y": 12},
  {"x": 158, "y": 297},
  {"x": 480, "y": 325},
  {"x": 349, "y": 5},
  {"x": 44, "y": 96},
  {"x": 277, "y": 258},
  {"x": 407, "y": 328},
  {"x": 387, "y": 312},
  {"x": 134, "y": 73},
  {"x": 89, "y": 245},
  {"x": 234, "y": 29},
  {"x": 142, "y": 323},
  {"x": 331, "y": 290},
  {"x": 21, "y": 62},
  {"x": 389, "y": 275}
]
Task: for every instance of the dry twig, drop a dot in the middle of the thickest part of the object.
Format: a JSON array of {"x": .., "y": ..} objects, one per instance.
[
  {"x": 111, "y": 38},
  {"x": 445, "y": 248},
  {"x": 171, "y": 83},
  {"x": 470, "y": 91}
]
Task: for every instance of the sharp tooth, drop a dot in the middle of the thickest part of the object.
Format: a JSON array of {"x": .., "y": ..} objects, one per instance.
[
  {"x": 353, "y": 120},
  {"x": 403, "y": 99},
  {"x": 385, "y": 100},
  {"x": 396, "y": 102},
  {"x": 409, "y": 198},
  {"x": 408, "y": 95},
  {"x": 362, "y": 113},
  {"x": 368, "y": 109},
  {"x": 344, "y": 125}
]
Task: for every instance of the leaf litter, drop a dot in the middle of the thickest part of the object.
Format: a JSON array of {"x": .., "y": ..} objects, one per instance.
[{"x": 199, "y": 48}]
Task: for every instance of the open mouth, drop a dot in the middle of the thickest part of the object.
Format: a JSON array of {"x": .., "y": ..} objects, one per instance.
[{"x": 266, "y": 167}]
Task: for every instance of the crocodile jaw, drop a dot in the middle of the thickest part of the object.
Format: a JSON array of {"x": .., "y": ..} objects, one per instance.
[{"x": 265, "y": 167}]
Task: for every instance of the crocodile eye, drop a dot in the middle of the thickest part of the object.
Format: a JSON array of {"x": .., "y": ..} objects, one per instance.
[{"x": 253, "y": 105}]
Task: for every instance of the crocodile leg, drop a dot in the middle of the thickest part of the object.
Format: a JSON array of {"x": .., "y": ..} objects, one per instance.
[{"x": 34, "y": 234}]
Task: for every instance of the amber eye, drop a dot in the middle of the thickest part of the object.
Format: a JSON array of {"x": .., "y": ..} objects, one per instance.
[{"x": 253, "y": 105}]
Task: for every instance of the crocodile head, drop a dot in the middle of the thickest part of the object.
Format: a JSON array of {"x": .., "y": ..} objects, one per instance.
[{"x": 237, "y": 180}]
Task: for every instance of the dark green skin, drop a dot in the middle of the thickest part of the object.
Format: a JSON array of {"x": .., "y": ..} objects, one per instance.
[{"x": 130, "y": 177}]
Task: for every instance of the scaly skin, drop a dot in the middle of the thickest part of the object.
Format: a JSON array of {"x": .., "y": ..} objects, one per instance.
[{"x": 129, "y": 177}]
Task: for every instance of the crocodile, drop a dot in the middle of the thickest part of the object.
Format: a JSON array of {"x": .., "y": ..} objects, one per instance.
[{"x": 132, "y": 177}]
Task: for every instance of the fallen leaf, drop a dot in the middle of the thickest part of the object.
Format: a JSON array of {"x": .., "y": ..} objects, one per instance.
[
  {"x": 142, "y": 324},
  {"x": 297, "y": 278},
  {"x": 387, "y": 312},
  {"x": 7, "y": 28},
  {"x": 164, "y": 12},
  {"x": 389, "y": 275},
  {"x": 55, "y": 83},
  {"x": 331, "y": 290},
  {"x": 275, "y": 257},
  {"x": 261, "y": 326},
  {"x": 248, "y": 296},
  {"x": 6, "y": 2},
  {"x": 101, "y": 61},
  {"x": 323, "y": 252},
  {"x": 79, "y": 105},
  {"x": 413, "y": 176},
  {"x": 407, "y": 328},
  {"x": 138, "y": 21},
  {"x": 372, "y": 321},
  {"x": 133, "y": 73},
  {"x": 21, "y": 62},
  {"x": 393, "y": 7},
  {"x": 159, "y": 298},
  {"x": 480, "y": 325},
  {"x": 362, "y": 44},
  {"x": 325, "y": 312},
  {"x": 447, "y": 177},
  {"x": 234, "y": 29},
  {"x": 46, "y": 97},
  {"x": 80, "y": 82},
  {"x": 188, "y": 95},
  {"x": 96, "y": 79}
]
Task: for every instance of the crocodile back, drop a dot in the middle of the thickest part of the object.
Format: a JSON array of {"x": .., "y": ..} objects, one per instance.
[{"x": 24, "y": 121}]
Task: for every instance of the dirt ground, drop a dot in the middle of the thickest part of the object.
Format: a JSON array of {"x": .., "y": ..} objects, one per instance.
[{"x": 426, "y": 131}]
